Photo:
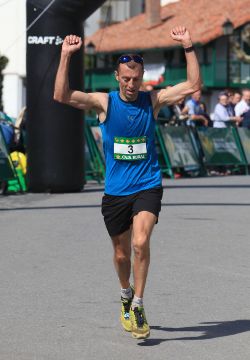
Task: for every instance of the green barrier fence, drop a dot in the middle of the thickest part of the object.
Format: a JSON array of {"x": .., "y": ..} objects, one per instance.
[
  {"x": 178, "y": 150},
  {"x": 163, "y": 157},
  {"x": 183, "y": 149},
  {"x": 244, "y": 136},
  {"x": 94, "y": 157},
  {"x": 221, "y": 147}
]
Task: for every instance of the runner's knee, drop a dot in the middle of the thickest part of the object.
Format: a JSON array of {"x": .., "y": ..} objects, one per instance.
[
  {"x": 121, "y": 257},
  {"x": 141, "y": 246}
]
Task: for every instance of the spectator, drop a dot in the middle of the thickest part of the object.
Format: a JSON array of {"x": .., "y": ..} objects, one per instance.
[
  {"x": 20, "y": 125},
  {"x": 243, "y": 108},
  {"x": 205, "y": 113},
  {"x": 229, "y": 92},
  {"x": 236, "y": 99},
  {"x": 194, "y": 109},
  {"x": 178, "y": 108},
  {"x": 222, "y": 114},
  {"x": 167, "y": 111},
  {"x": 7, "y": 127},
  {"x": 233, "y": 99}
]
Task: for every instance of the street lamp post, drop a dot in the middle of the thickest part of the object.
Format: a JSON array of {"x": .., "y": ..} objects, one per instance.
[
  {"x": 228, "y": 29},
  {"x": 90, "y": 50}
]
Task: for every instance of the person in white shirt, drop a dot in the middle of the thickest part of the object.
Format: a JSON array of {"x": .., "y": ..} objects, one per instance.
[
  {"x": 221, "y": 113},
  {"x": 243, "y": 108}
]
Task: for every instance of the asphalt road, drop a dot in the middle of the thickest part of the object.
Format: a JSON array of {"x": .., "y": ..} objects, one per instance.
[{"x": 59, "y": 294}]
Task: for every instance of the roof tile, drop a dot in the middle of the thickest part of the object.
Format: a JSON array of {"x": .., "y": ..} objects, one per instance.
[{"x": 203, "y": 18}]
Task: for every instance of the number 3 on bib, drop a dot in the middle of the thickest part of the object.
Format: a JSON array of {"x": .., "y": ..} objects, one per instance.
[{"x": 130, "y": 149}]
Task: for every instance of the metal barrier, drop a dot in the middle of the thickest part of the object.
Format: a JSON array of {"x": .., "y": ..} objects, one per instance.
[
  {"x": 244, "y": 138},
  {"x": 222, "y": 147},
  {"x": 94, "y": 157},
  {"x": 180, "y": 149},
  {"x": 177, "y": 149}
]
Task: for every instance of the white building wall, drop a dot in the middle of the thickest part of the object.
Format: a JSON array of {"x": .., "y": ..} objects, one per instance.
[
  {"x": 136, "y": 7},
  {"x": 121, "y": 10},
  {"x": 13, "y": 46},
  {"x": 92, "y": 24}
]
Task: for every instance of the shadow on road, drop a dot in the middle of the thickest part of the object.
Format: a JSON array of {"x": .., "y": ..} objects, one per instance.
[{"x": 207, "y": 330}]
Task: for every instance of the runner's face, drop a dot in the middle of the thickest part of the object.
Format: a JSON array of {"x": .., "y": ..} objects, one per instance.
[{"x": 130, "y": 81}]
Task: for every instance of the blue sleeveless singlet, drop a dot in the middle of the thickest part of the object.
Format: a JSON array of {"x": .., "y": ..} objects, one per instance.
[{"x": 129, "y": 120}]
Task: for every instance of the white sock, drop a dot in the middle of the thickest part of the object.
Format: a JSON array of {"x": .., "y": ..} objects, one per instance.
[
  {"x": 137, "y": 302},
  {"x": 126, "y": 293}
]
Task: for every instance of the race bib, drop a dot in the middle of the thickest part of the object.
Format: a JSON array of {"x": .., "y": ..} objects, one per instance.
[{"x": 130, "y": 148}]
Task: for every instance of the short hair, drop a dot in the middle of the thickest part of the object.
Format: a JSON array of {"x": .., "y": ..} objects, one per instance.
[
  {"x": 222, "y": 93},
  {"x": 245, "y": 90}
]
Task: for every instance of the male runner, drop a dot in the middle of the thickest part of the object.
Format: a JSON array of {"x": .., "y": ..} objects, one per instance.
[{"x": 133, "y": 190}]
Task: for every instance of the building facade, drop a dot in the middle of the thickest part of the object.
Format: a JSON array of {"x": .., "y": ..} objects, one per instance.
[
  {"x": 13, "y": 42},
  {"x": 220, "y": 68},
  {"x": 217, "y": 45},
  {"x": 112, "y": 12},
  {"x": 13, "y": 46}
]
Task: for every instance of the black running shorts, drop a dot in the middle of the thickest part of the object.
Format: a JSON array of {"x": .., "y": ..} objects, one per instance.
[{"x": 118, "y": 211}]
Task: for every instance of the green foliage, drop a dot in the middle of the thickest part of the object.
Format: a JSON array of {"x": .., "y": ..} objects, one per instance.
[{"x": 3, "y": 63}]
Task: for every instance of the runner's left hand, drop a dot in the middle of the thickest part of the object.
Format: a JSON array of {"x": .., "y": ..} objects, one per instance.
[{"x": 181, "y": 34}]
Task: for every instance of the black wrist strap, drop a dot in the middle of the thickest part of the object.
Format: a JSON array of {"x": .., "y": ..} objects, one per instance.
[{"x": 189, "y": 49}]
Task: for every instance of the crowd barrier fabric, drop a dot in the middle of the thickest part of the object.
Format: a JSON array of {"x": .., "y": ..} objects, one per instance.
[
  {"x": 94, "y": 156},
  {"x": 194, "y": 151},
  {"x": 220, "y": 146},
  {"x": 244, "y": 135},
  {"x": 162, "y": 153},
  {"x": 180, "y": 147}
]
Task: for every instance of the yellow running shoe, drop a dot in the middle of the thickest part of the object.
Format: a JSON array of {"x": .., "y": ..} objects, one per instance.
[
  {"x": 125, "y": 317},
  {"x": 140, "y": 328}
]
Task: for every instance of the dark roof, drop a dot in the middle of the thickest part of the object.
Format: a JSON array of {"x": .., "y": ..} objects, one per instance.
[{"x": 203, "y": 18}]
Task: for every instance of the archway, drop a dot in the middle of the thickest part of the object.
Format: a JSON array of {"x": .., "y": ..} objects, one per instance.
[{"x": 55, "y": 133}]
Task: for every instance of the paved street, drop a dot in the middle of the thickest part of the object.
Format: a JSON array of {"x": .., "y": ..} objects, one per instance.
[{"x": 59, "y": 295}]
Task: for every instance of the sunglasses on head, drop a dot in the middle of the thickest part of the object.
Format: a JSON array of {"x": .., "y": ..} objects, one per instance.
[{"x": 127, "y": 58}]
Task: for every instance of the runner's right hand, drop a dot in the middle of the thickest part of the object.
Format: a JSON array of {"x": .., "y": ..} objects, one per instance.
[{"x": 71, "y": 44}]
